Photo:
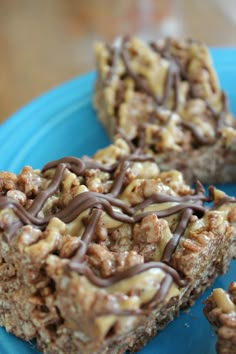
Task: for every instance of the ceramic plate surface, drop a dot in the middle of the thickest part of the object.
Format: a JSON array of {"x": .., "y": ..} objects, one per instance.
[{"x": 62, "y": 122}]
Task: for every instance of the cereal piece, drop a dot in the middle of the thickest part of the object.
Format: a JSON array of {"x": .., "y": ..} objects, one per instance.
[{"x": 220, "y": 310}]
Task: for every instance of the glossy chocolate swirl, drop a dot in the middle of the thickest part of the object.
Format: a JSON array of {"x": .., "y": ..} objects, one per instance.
[{"x": 87, "y": 200}]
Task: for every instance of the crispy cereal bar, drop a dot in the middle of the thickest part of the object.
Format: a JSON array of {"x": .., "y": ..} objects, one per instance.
[
  {"x": 164, "y": 98},
  {"x": 220, "y": 310},
  {"x": 98, "y": 254}
]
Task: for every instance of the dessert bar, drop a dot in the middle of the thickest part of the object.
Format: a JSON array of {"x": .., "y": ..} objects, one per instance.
[
  {"x": 164, "y": 97},
  {"x": 98, "y": 254}
]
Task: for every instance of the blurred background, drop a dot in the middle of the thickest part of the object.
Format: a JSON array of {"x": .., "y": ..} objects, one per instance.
[{"x": 45, "y": 42}]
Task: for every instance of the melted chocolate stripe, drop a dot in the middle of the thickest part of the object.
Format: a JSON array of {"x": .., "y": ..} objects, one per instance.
[
  {"x": 23, "y": 215},
  {"x": 167, "y": 87},
  {"x": 72, "y": 211},
  {"x": 116, "y": 202},
  {"x": 160, "y": 295},
  {"x": 211, "y": 192},
  {"x": 81, "y": 250},
  {"x": 69, "y": 160},
  {"x": 169, "y": 211},
  {"x": 45, "y": 194},
  {"x": 130, "y": 272},
  {"x": 196, "y": 134},
  {"x": 220, "y": 121},
  {"x": 80, "y": 165},
  {"x": 172, "y": 76},
  {"x": 118, "y": 183},
  {"x": 163, "y": 198},
  {"x": 225, "y": 102},
  {"x": 221, "y": 116},
  {"x": 199, "y": 189},
  {"x": 180, "y": 228},
  {"x": 88, "y": 200},
  {"x": 211, "y": 109},
  {"x": 176, "y": 92},
  {"x": 87, "y": 235},
  {"x": 140, "y": 83},
  {"x": 92, "y": 164},
  {"x": 155, "y": 48},
  {"x": 146, "y": 307},
  {"x": 171, "y": 82},
  {"x": 115, "y": 51},
  {"x": 128, "y": 142}
]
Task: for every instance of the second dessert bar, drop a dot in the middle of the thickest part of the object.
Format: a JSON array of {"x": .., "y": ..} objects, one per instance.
[{"x": 164, "y": 98}]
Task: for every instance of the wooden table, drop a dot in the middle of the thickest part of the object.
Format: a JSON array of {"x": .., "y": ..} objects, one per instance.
[{"x": 43, "y": 43}]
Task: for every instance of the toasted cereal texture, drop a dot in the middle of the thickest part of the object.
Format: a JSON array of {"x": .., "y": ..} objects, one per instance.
[{"x": 164, "y": 98}]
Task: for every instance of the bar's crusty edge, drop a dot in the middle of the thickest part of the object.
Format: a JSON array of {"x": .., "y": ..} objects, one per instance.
[
  {"x": 98, "y": 254},
  {"x": 164, "y": 97},
  {"x": 220, "y": 310}
]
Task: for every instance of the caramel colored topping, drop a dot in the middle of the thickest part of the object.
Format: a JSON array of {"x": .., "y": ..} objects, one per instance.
[{"x": 223, "y": 300}]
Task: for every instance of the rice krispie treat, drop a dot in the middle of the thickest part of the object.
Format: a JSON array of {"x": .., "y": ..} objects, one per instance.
[
  {"x": 220, "y": 310},
  {"x": 99, "y": 254},
  {"x": 164, "y": 98}
]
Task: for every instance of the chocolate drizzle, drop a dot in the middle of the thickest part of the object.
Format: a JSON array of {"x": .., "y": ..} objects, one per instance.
[
  {"x": 145, "y": 309},
  {"x": 161, "y": 293},
  {"x": 128, "y": 142},
  {"x": 201, "y": 139},
  {"x": 223, "y": 201},
  {"x": 87, "y": 236},
  {"x": 140, "y": 83},
  {"x": 118, "y": 183},
  {"x": 72, "y": 163},
  {"x": 180, "y": 228},
  {"x": 86, "y": 200},
  {"x": 172, "y": 76},
  {"x": 82, "y": 268},
  {"x": 115, "y": 50},
  {"x": 219, "y": 116},
  {"x": 53, "y": 187}
]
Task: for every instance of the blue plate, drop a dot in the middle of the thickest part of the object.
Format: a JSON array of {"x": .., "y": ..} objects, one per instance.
[{"x": 62, "y": 122}]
